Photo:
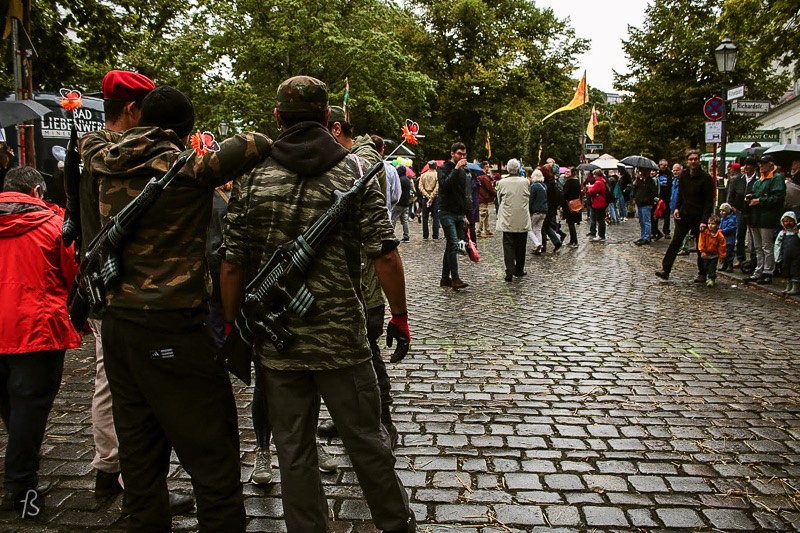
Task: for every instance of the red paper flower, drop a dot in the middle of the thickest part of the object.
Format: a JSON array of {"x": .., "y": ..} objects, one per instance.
[
  {"x": 71, "y": 99},
  {"x": 410, "y": 131},
  {"x": 203, "y": 143}
]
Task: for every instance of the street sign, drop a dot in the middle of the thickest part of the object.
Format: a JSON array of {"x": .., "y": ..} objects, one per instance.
[
  {"x": 714, "y": 108},
  {"x": 713, "y": 132},
  {"x": 736, "y": 92},
  {"x": 751, "y": 107},
  {"x": 595, "y": 146}
]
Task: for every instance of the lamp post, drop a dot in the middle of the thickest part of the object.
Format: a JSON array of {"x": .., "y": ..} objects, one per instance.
[
  {"x": 223, "y": 129},
  {"x": 726, "y": 55}
]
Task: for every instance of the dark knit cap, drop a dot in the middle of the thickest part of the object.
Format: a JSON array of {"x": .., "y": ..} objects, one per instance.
[{"x": 168, "y": 109}]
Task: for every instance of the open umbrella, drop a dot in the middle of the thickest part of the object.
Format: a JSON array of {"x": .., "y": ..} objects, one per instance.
[
  {"x": 475, "y": 169},
  {"x": 754, "y": 151},
  {"x": 439, "y": 162},
  {"x": 639, "y": 161},
  {"x": 784, "y": 153},
  {"x": 588, "y": 167},
  {"x": 16, "y": 111}
]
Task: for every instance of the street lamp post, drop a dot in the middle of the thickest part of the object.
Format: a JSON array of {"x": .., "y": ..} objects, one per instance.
[{"x": 726, "y": 55}]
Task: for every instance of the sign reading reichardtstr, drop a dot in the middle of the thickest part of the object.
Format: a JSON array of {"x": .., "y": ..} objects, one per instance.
[{"x": 751, "y": 107}]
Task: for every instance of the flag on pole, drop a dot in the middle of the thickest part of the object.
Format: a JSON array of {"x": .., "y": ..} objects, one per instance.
[
  {"x": 14, "y": 11},
  {"x": 488, "y": 145},
  {"x": 592, "y": 122},
  {"x": 578, "y": 100},
  {"x": 344, "y": 100}
]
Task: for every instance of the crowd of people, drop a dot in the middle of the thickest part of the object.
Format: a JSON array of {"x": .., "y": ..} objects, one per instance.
[{"x": 228, "y": 215}]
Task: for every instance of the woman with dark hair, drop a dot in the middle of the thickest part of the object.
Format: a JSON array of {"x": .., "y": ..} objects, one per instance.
[
  {"x": 572, "y": 191},
  {"x": 553, "y": 201}
]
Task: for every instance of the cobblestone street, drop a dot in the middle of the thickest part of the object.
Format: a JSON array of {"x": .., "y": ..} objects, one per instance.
[{"x": 585, "y": 396}]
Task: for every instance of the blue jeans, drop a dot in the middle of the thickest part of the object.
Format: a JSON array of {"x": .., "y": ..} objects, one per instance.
[
  {"x": 453, "y": 227},
  {"x": 612, "y": 212},
  {"x": 622, "y": 207},
  {"x": 645, "y": 215},
  {"x": 29, "y": 383}
]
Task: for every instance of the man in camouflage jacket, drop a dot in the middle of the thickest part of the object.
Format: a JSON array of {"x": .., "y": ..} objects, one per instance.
[
  {"x": 168, "y": 389},
  {"x": 330, "y": 355}
]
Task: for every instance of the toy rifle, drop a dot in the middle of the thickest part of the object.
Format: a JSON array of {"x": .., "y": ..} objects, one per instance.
[
  {"x": 280, "y": 286},
  {"x": 100, "y": 268}
]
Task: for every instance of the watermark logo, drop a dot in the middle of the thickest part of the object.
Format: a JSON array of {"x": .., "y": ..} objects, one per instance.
[{"x": 30, "y": 503}]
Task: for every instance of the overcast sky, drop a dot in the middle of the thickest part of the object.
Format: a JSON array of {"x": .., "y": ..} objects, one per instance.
[{"x": 604, "y": 23}]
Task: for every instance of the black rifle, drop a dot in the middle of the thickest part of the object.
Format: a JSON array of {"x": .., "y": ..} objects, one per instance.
[
  {"x": 100, "y": 268},
  {"x": 280, "y": 286},
  {"x": 71, "y": 230}
]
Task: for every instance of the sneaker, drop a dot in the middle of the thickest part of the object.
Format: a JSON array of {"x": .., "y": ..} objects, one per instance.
[
  {"x": 683, "y": 252},
  {"x": 327, "y": 463},
  {"x": 663, "y": 274},
  {"x": 573, "y": 245},
  {"x": 710, "y": 283},
  {"x": 106, "y": 484},
  {"x": 556, "y": 247},
  {"x": 599, "y": 239},
  {"x": 766, "y": 279},
  {"x": 262, "y": 472}
]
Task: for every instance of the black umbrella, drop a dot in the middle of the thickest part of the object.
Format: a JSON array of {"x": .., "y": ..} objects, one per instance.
[
  {"x": 15, "y": 111},
  {"x": 587, "y": 167},
  {"x": 639, "y": 161},
  {"x": 784, "y": 153},
  {"x": 754, "y": 151}
]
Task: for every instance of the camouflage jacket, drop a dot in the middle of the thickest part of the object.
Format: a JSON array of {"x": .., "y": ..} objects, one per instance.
[
  {"x": 373, "y": 294},
  {"x": 163, "y": 259},
  {"x": 89, "y": 187},
  {"x": 277, "y": 202}
]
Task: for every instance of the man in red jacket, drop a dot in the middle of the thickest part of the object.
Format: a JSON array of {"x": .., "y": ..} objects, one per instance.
[{"x": 36, "y": 272}]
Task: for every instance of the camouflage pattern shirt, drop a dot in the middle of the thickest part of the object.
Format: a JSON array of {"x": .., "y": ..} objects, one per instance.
[
  {"x": 277, "y": 202},
  {"x": 373, "y": 294},
  {"x": 163, "y": 259}
]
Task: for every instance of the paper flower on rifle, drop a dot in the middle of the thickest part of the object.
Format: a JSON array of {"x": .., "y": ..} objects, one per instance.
[
  {"x": 71, "y": 99},
  {"x": 204, "y": 143},
  {"x": 410, "y": 131}
]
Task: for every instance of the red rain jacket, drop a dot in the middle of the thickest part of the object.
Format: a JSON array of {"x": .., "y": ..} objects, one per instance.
[{"x": 36, "y": 273}]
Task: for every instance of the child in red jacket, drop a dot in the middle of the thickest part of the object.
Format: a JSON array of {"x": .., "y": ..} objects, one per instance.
[{"x": 711, "y": 246}]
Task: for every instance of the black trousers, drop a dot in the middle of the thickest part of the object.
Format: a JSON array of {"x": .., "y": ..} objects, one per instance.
[
  {"x": 683, "y": 227},
  {"x": 514, "y": 252},
  {"x": 352, "y": 397},
  {"x": 168, "y": 391},
  {"x": 375, "y": 317}
]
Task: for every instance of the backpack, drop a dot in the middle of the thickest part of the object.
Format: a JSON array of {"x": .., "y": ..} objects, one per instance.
[{"x": 610, "y": 184}]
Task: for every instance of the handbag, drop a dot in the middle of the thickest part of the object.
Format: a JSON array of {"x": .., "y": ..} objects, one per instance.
[
  {"x": 472, "y": 250},
  {"x": 575, "y": 205}
]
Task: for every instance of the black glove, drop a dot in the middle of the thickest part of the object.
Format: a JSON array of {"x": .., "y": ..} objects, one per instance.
[{"x": 398, "y": 329}]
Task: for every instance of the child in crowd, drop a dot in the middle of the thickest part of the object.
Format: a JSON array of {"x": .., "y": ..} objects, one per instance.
[
  {"x": 727, "y": 226},
  {"x": 711, "y": 246},
  {"x": 787, "y": 250}
]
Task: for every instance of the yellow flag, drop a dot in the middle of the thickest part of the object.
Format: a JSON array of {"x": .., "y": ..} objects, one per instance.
[
  {"x": 488, "y": 145},
  {"x": 14, "y": 11},
  {"x": 592, "y": 122},
  {"x": 578, "y": 100}
]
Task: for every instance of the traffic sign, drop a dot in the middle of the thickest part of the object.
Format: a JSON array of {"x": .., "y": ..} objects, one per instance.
[
  {"x": 713, "y": 132},
  {"x": 714, "y": 108},
  {"x": 736, "y": 92},
  {"x": 595, "y": 146}
]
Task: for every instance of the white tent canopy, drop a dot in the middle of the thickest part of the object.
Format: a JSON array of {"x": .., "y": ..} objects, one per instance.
[{"x": 606, "y": 162}]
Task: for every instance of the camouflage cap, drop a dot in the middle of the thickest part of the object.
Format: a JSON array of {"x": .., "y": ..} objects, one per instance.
[
  {"x": 337, "y": 115},
  {"x": 303, "y": 94}
]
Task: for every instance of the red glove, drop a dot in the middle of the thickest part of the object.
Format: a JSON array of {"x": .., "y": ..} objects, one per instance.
[
  {"x": 398, "y": 329},
  {"x": 228, "y": 328}
]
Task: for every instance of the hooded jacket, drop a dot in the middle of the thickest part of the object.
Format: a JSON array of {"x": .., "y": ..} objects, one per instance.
[
  {"x": 164, "y": 258},
  {"x": 770, "y": 189},
  {"x": 784, "y": 235},
  {"x": 36, "y": 273}
]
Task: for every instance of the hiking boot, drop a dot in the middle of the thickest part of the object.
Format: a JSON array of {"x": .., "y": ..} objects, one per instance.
[
  {"x": 445, "y": 282},
  {"x": 327, "y": 429},
  {"x": 326, "y": 462},
  {"x": 458, "y": 284},
  {"x": 262, "y": 472},
  {"x": 663, "y": 274}
]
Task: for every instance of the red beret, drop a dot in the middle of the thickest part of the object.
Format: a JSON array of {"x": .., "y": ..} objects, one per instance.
[
  {"x": 735, "y": 166},
  {"x": 126, "y": 86}
]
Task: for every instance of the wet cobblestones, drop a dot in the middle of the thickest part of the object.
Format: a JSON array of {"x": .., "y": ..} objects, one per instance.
[{"x": 586, "y": 396}]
